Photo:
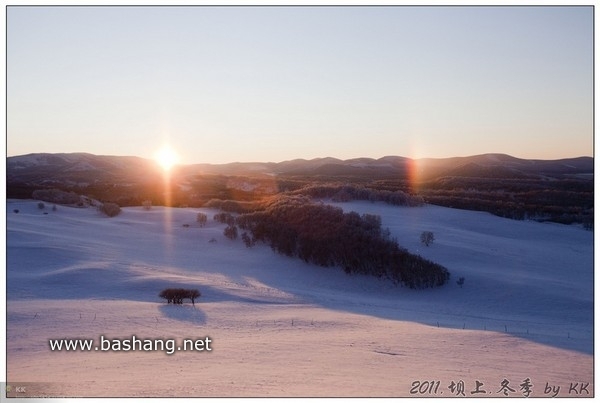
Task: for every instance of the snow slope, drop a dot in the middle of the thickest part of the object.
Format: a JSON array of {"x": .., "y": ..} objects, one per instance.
[{"x": 284, "y": 328}]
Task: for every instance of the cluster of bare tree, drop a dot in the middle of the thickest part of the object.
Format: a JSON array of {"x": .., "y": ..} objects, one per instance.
[
  {"x": 325, "y": 235},
  {"x": 177, "y": 295}
]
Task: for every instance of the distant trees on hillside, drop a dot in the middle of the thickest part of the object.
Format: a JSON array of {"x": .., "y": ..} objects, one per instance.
[
  {"x": 232, "y": 206},
  {"x": 344, "y": 193},
  {"x": 564, "y": 201},
  {"x": 325, "y": 235},
  {"x": 561, "y": 198},
  {"x": 56, "y": 196}
]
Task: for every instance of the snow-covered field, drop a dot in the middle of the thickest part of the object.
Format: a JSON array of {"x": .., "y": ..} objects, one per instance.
[{"x": 281, "y": 327}]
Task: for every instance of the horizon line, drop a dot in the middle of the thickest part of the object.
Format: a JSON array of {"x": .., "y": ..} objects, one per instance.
[{"x": 304, "y": 158}]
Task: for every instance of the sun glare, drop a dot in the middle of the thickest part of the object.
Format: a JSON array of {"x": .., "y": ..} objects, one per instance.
[{"x": 166, "y": 157}]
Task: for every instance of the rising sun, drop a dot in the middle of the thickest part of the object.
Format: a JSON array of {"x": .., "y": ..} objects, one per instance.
[{"x": 166, "y": 157}]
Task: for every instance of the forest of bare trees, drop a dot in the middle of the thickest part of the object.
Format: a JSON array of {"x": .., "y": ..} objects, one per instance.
[{"x": 326, "y": 236}]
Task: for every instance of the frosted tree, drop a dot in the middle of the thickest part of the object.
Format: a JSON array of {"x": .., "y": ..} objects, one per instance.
[
  {"x": 427, "y": 238},
  {"x": 201, "y": 218},
  {"x": 231, "y": 232}
]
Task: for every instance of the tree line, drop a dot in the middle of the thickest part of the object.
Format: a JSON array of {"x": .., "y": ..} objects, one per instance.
[{"x": 349, "y": 192}]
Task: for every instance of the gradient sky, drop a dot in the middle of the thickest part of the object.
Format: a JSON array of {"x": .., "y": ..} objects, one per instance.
[{"x": 224, "y": 84}]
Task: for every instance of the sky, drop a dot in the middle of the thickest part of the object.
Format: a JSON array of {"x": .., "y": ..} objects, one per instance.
[{"x": 226, "y": 84}]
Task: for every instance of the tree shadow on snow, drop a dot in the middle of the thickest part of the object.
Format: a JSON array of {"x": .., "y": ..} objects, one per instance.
[{"x": 184, "y": 313}]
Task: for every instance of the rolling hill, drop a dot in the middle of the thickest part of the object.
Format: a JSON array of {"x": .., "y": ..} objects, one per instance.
[
  {"x": 77, "y": 167},
  {"x": 283, "y": 328}
]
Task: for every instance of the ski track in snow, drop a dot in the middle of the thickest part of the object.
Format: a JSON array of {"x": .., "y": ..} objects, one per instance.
[{"x": 281, "y": 327}]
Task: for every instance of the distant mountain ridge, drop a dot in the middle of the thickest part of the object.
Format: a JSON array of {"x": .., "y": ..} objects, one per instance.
[
  {"x": 86, "y": 168},
  {"x": 76, "y": 168},
  {"x": 552, "y": 190}
]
